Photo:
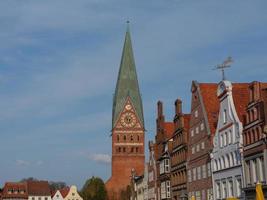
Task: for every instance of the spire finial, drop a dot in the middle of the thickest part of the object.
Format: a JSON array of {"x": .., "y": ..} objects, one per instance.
[
  {"x": 128, "y": 25},
  {"x": 226, "y": 63}
]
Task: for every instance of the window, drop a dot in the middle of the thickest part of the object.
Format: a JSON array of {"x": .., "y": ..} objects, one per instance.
[
  {"x": 136, "y": 149},
  {"x": 198, "y": 173},
  {"x": 118, "y": 138},
  {"x": 218, "y": 190},
  {"x": 161, "y": 167},
  {"x": 197, "y": 130},
  {"x": 221, "y": 140},
  {"x": 167, "y": 165},
  {"x": 230, "y": 137},
  {"x": 132, "y": 138},
  {"x": 215, "y": 165},
  {"x": 124, "y": 149},
  {"x": 203, "y": 145},
  {"x": 198, "y": 195},
  {"x": 238, "y": 186},
  {"x": 203, "y": 194},
  {"x": 192, "y": 132},
  {"x": 198, "y": 148},
  {"x": 163, "y": 190},
  {"x": 209, "y": 170},
  {"x": 189, "y": 176},
  {"x": 168, "y": 184},
  {"x": 124, "y": 137},
  {"x": 138, "y": 137},
  {"x": 194, "y": 174},
  {"x": 196, "y": 113},
  {"x": 204, "y": 172},
  {"x": 224, "y": 116},
  {"x": 193, "y": 150},
  {"x": 202, "y": 126},
  {"x": 224, "y": 189},
  {"x": 225, "y": 139},
  {"x": 230, "y": 188}
]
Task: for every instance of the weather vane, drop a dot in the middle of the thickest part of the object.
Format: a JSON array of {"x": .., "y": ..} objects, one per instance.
[{"x": 227, "y": 63}]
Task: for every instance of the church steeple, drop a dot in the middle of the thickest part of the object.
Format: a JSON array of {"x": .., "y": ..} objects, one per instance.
[{"x": 127, "y": 83}]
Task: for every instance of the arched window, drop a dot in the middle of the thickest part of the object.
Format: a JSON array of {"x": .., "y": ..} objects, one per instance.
[
  {"x": 227, "y": 161},
  {"x": 119, "y": 149},
  {"x": 215, "y": 165},
  {"x": 234, "y": 158},
  {"x": 118, "y": 138},
  {"x": 222, "y": 162},
  {"x": 131, "y": 137},
  {"x": 230, "y": 137},
  {"x": 230, "y": 160},
  {"x": 219, "y": 164}
]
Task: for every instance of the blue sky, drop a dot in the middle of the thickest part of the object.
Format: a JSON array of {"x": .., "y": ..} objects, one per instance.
[{"x": 59, "y": 62}]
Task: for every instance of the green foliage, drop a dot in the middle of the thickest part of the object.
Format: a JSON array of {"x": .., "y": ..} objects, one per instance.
[
  {"x": 94, "y": 189},
  {"x": 57, "y": 185}
]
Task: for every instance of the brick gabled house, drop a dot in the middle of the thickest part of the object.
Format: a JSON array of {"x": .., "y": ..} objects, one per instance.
[
  {"x": 163, "y": 150},
  {"x": 203, "y": 121},
  {"x": 179, "y": 153},
  {"x": 255, "y": 140}
]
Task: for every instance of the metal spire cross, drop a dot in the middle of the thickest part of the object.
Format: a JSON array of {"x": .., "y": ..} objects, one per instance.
[{"x": 226, "y": 64}]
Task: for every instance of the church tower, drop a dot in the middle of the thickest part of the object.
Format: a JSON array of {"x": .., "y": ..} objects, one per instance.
[{"x": 127, "y": 125}]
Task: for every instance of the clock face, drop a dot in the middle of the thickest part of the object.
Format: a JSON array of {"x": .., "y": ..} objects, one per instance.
[
  {"x": 128, "y": 107},
  {"x": 128, "y": 119}
]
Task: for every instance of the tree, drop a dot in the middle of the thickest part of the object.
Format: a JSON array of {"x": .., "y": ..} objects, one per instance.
[
  {"x": 57, "y": 185},
  {"x": 28, "y": 179},
  {"x": 94, "y": 189}
]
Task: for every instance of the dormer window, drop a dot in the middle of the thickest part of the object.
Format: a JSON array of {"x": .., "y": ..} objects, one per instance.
[{"x": 224, "y": 116}]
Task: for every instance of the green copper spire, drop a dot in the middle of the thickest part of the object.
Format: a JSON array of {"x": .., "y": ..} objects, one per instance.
[{"x": 127, "y": 83}]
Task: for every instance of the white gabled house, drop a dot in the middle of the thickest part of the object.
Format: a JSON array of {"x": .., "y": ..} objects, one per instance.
[{"x": 226, "y": 156}]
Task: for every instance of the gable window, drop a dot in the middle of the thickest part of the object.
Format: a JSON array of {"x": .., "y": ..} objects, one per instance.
[
  {"x": 192, "y": 132},
  {"x": 193, "y": 150},
  {"x": 202, "y": 145},
  {"x": 202, "y": 126},
  {"x": 167, "y": 165},
  {"x": 224, "y": 116},
  {"x": 196, "y": 113},
  {"x": 197, "y": 130}
]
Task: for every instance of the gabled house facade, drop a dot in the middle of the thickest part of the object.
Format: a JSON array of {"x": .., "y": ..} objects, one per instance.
[
  {"x": 227, "y": 153},
  {"x": 38, "y": 190},
  {"x": 255, "y": 140},
  {"x": 152, "y": 173},
  {"x": 163, "y": 146},
  {"x": 203, "y": 121},
  {"x": 179, "y": 153}
]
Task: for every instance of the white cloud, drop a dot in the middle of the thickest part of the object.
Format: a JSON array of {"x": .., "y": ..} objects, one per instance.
[
  {"x": 100, "y": 158},
  {"x": 22, "y": 162}
]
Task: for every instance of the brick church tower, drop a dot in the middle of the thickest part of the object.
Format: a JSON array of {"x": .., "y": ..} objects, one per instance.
[{"x": 127, "y": 125}]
